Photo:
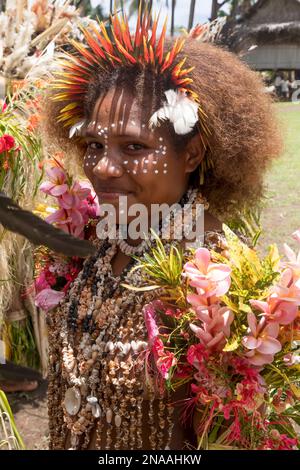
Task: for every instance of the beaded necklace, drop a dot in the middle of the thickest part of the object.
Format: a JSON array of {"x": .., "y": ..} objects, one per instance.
[{"x": 96, "y": 376}]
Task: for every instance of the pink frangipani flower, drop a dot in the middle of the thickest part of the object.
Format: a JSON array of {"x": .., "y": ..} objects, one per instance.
[
  {"x": 210, "y": 279},
  {"x": 73, "y": 196},
  {"x": 56, "y": 186},
  {"x": 47, "y": 299},
  {"x": 261, "y": 340},
  {"x": 277, "y": 310},
  {"x": 215, "y": 328}
]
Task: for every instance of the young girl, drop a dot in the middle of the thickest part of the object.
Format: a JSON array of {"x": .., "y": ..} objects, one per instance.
[{"x": 155, "y": 121}]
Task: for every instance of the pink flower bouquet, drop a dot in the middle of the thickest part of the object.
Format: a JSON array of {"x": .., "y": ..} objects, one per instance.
[
  {"x": 228, "y": 329},
  {"x": 77, "y": 209}
]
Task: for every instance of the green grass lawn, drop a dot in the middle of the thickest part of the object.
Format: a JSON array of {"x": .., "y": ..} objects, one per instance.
[{"x": 281, "y": 215}]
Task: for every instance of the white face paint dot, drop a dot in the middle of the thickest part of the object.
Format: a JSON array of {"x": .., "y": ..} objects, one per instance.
[
  {"x": 165, "y": 147},
  {"x": 165, "y": 171},
  {"x": 136, "y": 161},
  {"x": 133, "y": 123},
  {"x": 128, "y": 171},
  {"x": 105, "y": 128},
  {"x": 156, "y": 151},
  {"x": 143, "y": 126},
  {"x": 99, "y": 127},
  {"x": 121, "y": 122},
  {"x": 145, "y": 171},
  {"x": 155, "y": 162},
  {"x": 113, "y": 125},
  {"x": 155, "y": 171},
  {"x": 126, "y": 161},
  {"x": 164, "y": 153},
  {"x": 165, "y": 164},
  {"x": 146, "y": 161},
  {"x": 134, "y": 172},
  {"x": 161, "y": 139}
]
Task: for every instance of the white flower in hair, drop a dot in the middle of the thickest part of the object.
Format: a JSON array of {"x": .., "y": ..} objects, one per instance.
[
  {"x": 178, "y": 109},
  {"x": 74, "y": 130}
]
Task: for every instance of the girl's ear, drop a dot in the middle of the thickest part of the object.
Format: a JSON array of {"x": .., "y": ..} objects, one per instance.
[{"x": 194, "y": 154}]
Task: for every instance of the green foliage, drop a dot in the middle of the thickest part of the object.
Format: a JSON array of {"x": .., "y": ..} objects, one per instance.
[{"x": 10, "y": 438}]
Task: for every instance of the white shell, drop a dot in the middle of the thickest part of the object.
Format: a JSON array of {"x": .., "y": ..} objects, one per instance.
[
  {"x": 126, "y": 348},
  {"x": 120, "y": 346},
  {"x": 92, "y": 400},
  {"x": 118, "y": 421},
  {"x": 109, "y": 415},
  {"x": 96, "y": 411},
  {"x": 72, "y": 401}
]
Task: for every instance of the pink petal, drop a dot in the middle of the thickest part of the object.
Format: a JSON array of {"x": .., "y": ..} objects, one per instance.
[
  {"x": 272, "y": 329},
  {"x": 202, "y": 258},
  {"x": 219, "y": 337},
  {"x": 269, "y": 345},
  {"x": 286, "y": 313},
  {"x": 195, "y": 300},
  {"x": 56, "y": 174},
  {"x": 289, "y": 253},
  {"x": 258, "y": 359},
  {"x": 252, "y": 322},
  {"x": 250, "y": 342},
  {"x": 59, "y": 190},
  {"x": 286, "y": 278},
  {"x": 201, "y": 334},
  {"x": 222, "y": 287},
  {"x": 58, "y": 216},
  {"x": 48, "y": 299},
  {"x": 260, "y": 305},
  {"x": 46, "y": 187},
  {"x": 218, "y": 272},
  {"x": 296, "y": 235}
]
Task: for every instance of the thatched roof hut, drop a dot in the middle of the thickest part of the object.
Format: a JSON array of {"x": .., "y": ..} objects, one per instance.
[{"x": 268, "y": 36}]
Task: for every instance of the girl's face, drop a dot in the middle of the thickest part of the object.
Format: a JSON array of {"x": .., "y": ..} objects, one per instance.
[{"x": 124, "y": 158}]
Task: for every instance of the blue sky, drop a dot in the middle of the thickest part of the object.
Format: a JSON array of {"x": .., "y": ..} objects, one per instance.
[{"x": 202, "y": 10}]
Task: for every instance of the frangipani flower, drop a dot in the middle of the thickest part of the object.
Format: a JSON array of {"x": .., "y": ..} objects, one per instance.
[
  {"x": 56, "y": 186},
  {"x": 215, "y": 327},
  {"x": 288, "y": 286},
  {"x": 74, "y": 195},
  {"x": 48, "y": 299},
  {"x": 277, "y": 310},
  {"x": 70, "y": 221},
  {"x": 261, "y": 341},
  {"x": 210, "y": 279}
]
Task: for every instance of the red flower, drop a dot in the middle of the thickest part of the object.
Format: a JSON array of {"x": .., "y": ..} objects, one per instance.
[{"x": 7, "y": 142}]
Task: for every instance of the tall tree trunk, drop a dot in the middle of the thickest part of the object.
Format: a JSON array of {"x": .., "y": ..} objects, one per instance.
[
  {"x": 192, "y": 13},
  {"x": 173, "y": 17},
  {"x": 214, "y": 10}
]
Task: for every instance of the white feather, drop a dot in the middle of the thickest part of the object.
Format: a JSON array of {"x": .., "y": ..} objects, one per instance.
[
  {"x": 180, "y": 110},
  {"x": 76, "y": 128}
]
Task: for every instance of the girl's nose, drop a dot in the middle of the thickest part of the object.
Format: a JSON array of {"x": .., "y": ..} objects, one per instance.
[{"x": 106, "y": 168}]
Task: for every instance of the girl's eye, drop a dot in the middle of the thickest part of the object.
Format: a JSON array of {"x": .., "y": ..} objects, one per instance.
[
  {"x": 135, "y": 147},
  {"x": 95, "y": 145}
]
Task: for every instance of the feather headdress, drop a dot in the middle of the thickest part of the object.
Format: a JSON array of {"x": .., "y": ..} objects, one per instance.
[{"x": 111, "y": 46}]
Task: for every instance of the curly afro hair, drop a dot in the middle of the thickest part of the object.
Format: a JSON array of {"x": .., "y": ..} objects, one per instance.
[{"x": 243, "y": 136}]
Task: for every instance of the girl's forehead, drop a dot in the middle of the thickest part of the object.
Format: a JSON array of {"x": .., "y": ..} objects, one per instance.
[{"x": 120, "y": 105}]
